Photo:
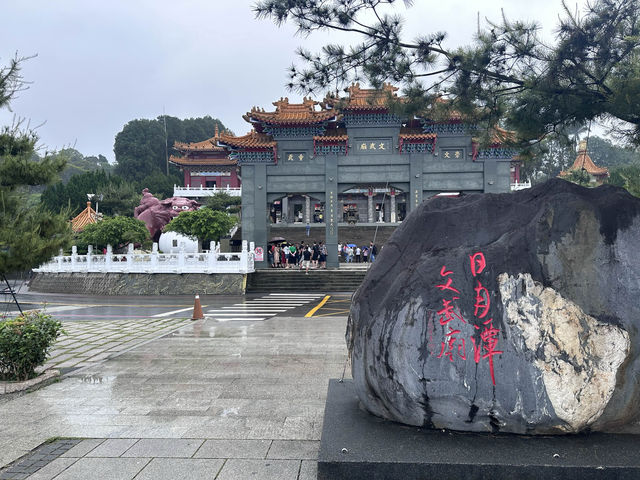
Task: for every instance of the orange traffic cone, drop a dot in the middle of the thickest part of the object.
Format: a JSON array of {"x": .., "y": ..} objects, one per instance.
[{"x": 197, "y": 310}]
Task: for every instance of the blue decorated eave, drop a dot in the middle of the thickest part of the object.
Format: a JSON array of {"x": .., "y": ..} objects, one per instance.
[
  {"x": 251, "y": 148},
  {"x": 337, "y": 142},
  {"x": 417, "y": 142}
]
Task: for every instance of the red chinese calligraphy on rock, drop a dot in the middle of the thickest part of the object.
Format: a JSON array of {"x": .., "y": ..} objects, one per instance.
[
  {"x": 448, "y": 313},
  {"x": 478, "y": 263},
  {"x": 483, "y": 301},
  {"x": 450, "y": 342},
  {"x": 448, "y": 285},
  {"x": 487, "y": 347}
]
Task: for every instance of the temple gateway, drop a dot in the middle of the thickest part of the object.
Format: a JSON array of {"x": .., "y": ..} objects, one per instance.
[{"x": 345, "y": 162}]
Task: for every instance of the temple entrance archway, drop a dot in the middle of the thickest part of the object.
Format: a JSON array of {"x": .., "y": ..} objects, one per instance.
[
  {"x": 296, "y": 208},
  {"x": 377, "y": 203}
]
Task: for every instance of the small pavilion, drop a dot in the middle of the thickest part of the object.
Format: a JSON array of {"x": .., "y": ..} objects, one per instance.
[
  {"x": 84, "y": 218},
  {"x": 583, "y": 162}
]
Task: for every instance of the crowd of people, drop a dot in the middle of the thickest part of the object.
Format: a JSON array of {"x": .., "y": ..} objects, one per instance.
[
  {"x": 352, "y": 253},
  {"x": 306, "y": 256},
  {"x": 298, "y": 255}
]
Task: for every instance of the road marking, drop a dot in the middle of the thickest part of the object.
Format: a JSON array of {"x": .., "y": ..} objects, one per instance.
[
  {"x": 333, "y": 312},
  {"x": 166, "y": 314},
  {"x": 245, "y": 314},
  {"x": 238, "y": 319},
  {"x": 315, "y": 309},
  {"x": 306, "y": 295},
  {"x": 260, "y": 310},
  {"x": 267, "y": 306}
]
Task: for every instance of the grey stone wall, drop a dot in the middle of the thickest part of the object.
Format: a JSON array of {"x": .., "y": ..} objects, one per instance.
[{"x": 140, "y": 283}]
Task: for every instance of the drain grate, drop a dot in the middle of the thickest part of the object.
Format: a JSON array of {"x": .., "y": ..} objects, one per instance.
[{"x": 37, "y": 458}]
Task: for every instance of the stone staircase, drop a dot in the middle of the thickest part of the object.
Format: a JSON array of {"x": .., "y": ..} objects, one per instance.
[
  {"x": 345, "y": 279},
  {"x": 360, "y": 234}
]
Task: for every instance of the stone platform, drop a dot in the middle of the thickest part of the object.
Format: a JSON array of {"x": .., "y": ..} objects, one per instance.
[
  {"x": 139, "y": 283},
  {"x": 356, "y": 445}
]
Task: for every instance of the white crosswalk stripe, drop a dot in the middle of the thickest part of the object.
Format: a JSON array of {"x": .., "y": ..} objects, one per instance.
[{"x": 260, "y": 309}]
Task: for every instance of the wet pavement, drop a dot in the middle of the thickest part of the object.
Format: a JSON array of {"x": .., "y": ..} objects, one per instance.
[{"x": 214, "y": 398}]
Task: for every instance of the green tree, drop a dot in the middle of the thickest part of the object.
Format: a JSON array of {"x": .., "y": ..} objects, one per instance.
[
  {"x": 606, "y": 154},
  {"x": 204, "y": 224},
  {"x": 628, "y": 177},
  {"x": 141, "y": 150},
  {"x": 160, "y": 184},
  {"x": 76, "y": 163},
  {"x": 114, "y": 195},
  {"x": 224, "y": 202},
  {"x": 115, "y": 231},
  {"x": 592, "y": 71},
  {"x": 580, "y": 177},
  {"x": 553, "y": 156},
  {"x": 118, "y": 198},
  {"x": 28, "y": 235}
]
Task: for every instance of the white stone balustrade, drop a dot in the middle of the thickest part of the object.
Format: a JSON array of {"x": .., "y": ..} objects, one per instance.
[
  {"x": 212, "y": 261},
  {"x": 205, "y": 191},
  {"x": 520, "y": 186}
]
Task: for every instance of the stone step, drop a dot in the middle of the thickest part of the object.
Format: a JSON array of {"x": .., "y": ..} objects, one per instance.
[{"x": 297, "y": 280}]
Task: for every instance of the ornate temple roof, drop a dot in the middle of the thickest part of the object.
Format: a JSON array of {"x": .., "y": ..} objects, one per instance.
[
  {"x": 498, "y": 136},
  {"x": 583, "y": 162},
  {"x": 364, "y": 99},
  {"x": 333, "y": 135},
  {"x": 207, "y": 152},
  {"x": 286, "y": 113},
  {"x": 413, "y": 134},
  {"x": 190, "y": 161},
  {"x": 210, "y": 144},
  {"x": 84, "y": 218},
  {"x": 253, "y": 140}
]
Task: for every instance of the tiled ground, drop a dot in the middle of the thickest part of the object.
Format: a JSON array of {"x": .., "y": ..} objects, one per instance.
[
  {"x": 86, "y": 343},
  {"x": 242, "y": 400},
  {"x": 158, "y": 459}
]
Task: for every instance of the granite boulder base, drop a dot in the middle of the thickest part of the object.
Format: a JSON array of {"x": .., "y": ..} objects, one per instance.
[{"x": 505, "y": 312}]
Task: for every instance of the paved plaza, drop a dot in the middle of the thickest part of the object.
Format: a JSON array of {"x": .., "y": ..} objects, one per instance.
[{"x": 237, "y": 395}]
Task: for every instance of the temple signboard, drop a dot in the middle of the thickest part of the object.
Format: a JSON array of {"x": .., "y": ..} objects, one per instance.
[{"x": 373, "y": 145}]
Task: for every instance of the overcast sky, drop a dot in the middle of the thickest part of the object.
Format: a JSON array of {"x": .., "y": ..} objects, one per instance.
[{"x": 102, "y": 64}]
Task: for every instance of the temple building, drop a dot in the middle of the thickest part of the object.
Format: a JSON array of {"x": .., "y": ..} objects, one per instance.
[
  {"x": 346, "y": 162},
  {"x": 206, "y": 166},
  {"x": 583, "y": 162},
  {"x": 84, "y": 218}
]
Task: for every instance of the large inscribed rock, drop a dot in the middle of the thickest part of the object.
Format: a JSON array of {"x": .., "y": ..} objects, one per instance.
[{"x": 513, "y": 312}]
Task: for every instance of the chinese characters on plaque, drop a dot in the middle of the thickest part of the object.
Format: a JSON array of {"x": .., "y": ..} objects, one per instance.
[
  {"x": 452, "y": 154},
  {"x": 295, "y": 156},
  {"x": 373, "y": 145},
  {"x": 332, "y": 212}
]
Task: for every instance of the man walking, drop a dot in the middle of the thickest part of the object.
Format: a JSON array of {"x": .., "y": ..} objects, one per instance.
[{"x": 306, "y": 260}]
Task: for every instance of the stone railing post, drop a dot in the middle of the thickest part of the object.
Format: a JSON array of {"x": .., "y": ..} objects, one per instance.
[
  {"x": 212, "y": 258},
  {"x": 74, "y": 258},
  {"x": 89, "y": 257},
  {"x": 59, "y": 260},
  {"x": 129, "y": 265},
  {"x": 109, "y": 260},
  {"x": 154, "y": 257}
]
